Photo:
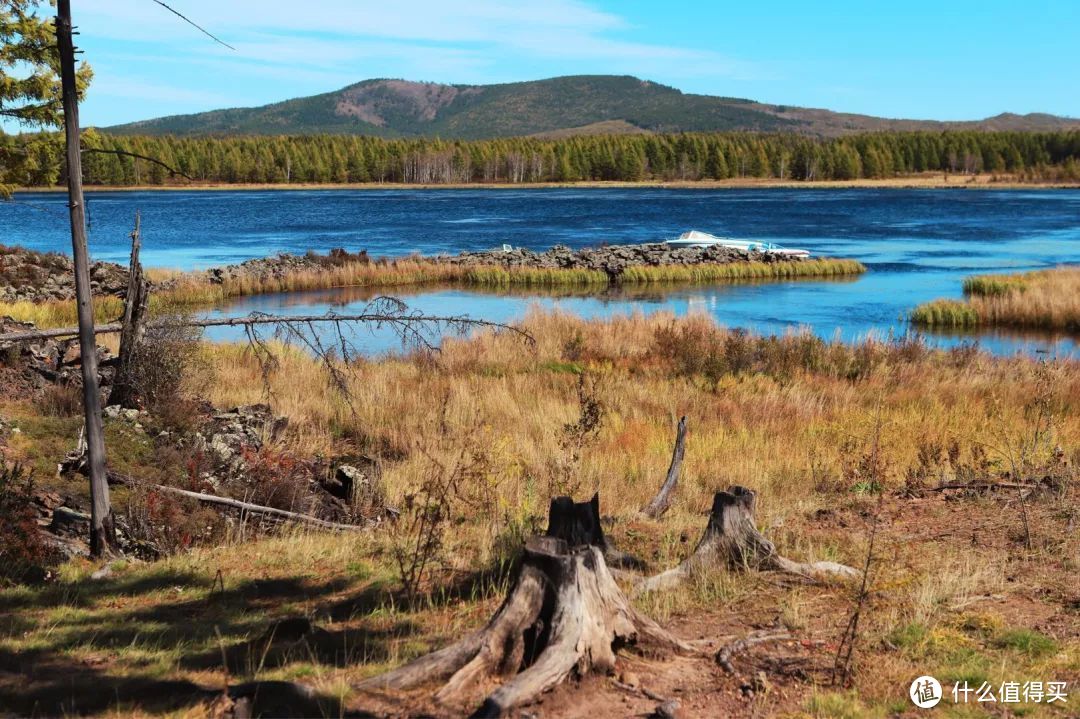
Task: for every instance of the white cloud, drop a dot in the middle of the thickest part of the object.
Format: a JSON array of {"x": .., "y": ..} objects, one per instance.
[
  {"x": 326, "y": 34},
  {"x": 285, "y": 49}
]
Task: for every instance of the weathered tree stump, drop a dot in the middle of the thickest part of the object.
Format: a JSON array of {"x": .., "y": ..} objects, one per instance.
[
  {"x": 731, "y": 539},
  {"x": 662, "y": 501},
  {"x": 578, "y": 524},
  {"x": 564, "y": 616},
  {"x": 136, "y": 302}
]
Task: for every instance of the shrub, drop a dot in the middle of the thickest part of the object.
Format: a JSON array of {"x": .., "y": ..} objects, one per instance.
[{"x": 23, "y": 552}]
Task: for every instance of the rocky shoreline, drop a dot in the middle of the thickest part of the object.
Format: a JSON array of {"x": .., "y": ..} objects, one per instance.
[
  {"x": 31, "y": 276},
  {"x": 612, "y": 260}
]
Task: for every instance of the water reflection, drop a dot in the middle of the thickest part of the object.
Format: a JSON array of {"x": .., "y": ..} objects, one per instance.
[{"x": 841, "y": 308}]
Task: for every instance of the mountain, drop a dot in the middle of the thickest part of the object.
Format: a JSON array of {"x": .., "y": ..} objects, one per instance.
[{"x": 560, "y": 106}]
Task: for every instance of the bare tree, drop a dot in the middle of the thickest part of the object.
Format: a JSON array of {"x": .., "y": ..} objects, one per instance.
[{"x": 102, "y": 530}]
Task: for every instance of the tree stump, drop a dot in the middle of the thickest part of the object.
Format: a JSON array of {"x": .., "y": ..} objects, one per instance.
[
  {"x": 731, "y": 539},
  {"x": 564, "y": 616},
  {"x": 136, "y": 303},
  {"x": 578, "y": 524}
]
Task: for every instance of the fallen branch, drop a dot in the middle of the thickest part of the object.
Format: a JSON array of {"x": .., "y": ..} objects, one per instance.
[
  {"x": 731, "y": 650},
  {"x": 662, "y": 501},
  {"x": 243, "y": 506},
  {"x": 378, "y": 318},
  {"x": 983, "y": 485},
  {"x": 732, "y": 540}
]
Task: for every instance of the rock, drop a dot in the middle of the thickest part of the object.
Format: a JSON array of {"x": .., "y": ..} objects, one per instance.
[
  {"x": 43, "y": 276},
  {"x": 612, "y": 260},
  {"x": 667, "y": 710},
  {"x": 630, "y": 679},
  {"x": 67, "y": 521}
]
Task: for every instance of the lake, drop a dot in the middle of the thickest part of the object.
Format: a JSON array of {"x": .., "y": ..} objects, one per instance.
[{"x": 916, "y": 244}]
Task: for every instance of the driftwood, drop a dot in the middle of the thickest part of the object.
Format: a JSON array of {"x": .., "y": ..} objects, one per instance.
[
  {"x": 133, "y": 327},
  {"x": 732, "y": 540},
  {"x": 242, "y": 506},
  {"x": 564, "y": 615},
  {"x": 662, "y": 501}
]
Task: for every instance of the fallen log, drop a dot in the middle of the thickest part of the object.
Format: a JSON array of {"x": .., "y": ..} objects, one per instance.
[
  {"x": 242, "y": 506},
  {"x": 564, "y": 615},
  {"x": 731, "y": 539},
  {"x": 662, "y": 501}
]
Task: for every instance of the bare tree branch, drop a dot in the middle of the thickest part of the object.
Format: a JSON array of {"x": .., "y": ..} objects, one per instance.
[
  {"x": 410, "y": 326},
  {"x": 125, "y": 153}
]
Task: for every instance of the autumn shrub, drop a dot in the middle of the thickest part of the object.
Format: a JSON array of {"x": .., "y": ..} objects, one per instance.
[
  {"x": 60, "y": 400},
  {"x": 168, "y": 350},
  {"x": 23, "y": 552},
  {"x": 273, "y": 478}
]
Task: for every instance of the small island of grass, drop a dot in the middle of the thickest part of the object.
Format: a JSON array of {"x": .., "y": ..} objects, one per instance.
[{"x": 1044, "y": 299}]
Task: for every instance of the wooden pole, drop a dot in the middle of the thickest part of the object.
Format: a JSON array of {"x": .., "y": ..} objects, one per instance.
[{"x": 102, "y": 530}]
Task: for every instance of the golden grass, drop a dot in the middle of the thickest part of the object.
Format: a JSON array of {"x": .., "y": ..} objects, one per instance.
[
  {"x": 1046, "y": 299},
  {"x": 742, "y": 271},
  {"x": 193, "y": 290},
  {"x": 791, "y": 417}
]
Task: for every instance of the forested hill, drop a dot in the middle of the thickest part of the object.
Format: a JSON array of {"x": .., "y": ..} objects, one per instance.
[{"x": 575, "y": 105}]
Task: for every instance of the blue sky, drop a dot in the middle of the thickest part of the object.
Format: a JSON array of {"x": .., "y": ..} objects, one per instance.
[{"x": 949, "y": 59}]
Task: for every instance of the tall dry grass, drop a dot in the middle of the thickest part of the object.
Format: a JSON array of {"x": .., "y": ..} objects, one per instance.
[
  {"x": 192, "y": 290},
  {"x": 786, "y": 416},
  {"x": 1046, "y": 299}
]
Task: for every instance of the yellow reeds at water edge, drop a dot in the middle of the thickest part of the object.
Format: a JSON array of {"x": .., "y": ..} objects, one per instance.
[
  {"x": 193, "y": 290},
  {"x": 1045, "y": 299}
]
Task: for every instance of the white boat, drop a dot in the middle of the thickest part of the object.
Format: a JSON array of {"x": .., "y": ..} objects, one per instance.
[{"x": 695, "y": 238}]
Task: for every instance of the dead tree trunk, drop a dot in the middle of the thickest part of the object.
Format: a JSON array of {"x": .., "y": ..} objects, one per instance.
[
  {"x": 578, "y": 524},
  {"x": 102, "y": 529},
  {"x": 564, "y": 615},
  {"x": 662, "y": 501},
  {"x": 124, "y": 391},
  {"x": 731, "y": 539}
]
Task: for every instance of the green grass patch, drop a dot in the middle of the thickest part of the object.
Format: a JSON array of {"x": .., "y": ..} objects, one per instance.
[
  {"x": 562, "y": 367},
  {"x": 945, "y": 313},
  {"x": 1026, "y": 641},
  {"x": 996, "y": 285}
]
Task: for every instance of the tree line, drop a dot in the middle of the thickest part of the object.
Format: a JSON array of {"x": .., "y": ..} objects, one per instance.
[{"x": 36, "y": 160}]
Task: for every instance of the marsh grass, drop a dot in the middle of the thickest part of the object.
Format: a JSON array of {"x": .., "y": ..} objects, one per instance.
[
  {"x": 1045, "y": 300},
  {"x": 193, "y": 290},
  {"x": 741, "y": 271},
  {"x": 791, "y": 417}
]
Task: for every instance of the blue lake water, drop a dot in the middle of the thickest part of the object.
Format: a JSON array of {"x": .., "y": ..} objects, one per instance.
[{"x": 917, "y": 244}]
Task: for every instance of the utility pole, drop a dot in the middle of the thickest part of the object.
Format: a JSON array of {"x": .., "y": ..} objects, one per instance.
[{"x": 102, "y": 529}]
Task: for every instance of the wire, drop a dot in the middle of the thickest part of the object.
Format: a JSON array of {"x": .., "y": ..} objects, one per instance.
[{"x": 198, "y": 27}]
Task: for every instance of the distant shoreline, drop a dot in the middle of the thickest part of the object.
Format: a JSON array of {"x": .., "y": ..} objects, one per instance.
[{"x": 929, "y": 181}]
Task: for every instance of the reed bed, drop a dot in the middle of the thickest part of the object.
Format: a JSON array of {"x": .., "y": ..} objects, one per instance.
[
  {"x": 1046, "y": 300},
  {"x": 741, "y": 271},
  {"x": 193, "y": 290}
]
